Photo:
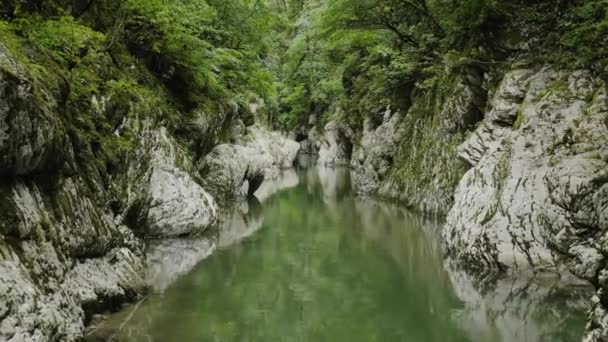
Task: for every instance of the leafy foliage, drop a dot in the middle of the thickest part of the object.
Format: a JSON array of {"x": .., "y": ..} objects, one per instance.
[
  {"x": 293, "y": 59},
  {"x": 585, "y": 34},
  {"x": 379, "y": 52}
]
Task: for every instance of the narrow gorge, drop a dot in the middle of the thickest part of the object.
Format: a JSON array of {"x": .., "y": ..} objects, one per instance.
[{"x": 301, "y": 170}]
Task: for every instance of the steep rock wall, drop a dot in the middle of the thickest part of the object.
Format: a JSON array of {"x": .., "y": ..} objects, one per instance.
[
  {"x": 72, "y": 223},
  {"x": 63, "y": 254},
  {"x": 164, "y": 198},
  {"x": 409, "y": 154},
  {"x": 536, "y": 198},
  {"x": 537, "y": 186},
  {"x": 519, "y": 169}
]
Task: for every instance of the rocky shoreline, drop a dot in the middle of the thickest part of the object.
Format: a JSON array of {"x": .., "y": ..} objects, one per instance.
[
  {"x": 515, "y": 160},
  {"x": 525, "y": 194},
  {"x": 72, "y": 238}
]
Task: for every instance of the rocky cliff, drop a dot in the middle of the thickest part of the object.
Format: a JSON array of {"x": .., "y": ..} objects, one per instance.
[
  {"x": 74, "y": 218},
  {"x": 65, "y": 255},
  {"x": 516, "y": 160},
  {"x": 536, "y": 197},
  {"x": 409, "y": 153}
]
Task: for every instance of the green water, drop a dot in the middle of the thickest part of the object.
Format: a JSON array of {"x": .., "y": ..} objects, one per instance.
[{"x": 320, "y": 265}]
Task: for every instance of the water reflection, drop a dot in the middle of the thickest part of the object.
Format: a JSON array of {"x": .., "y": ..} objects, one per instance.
[
  {"x": 523, "y": 309},
  {"x": 326, "y": 266},
  {"x": 172, "y": 258},
  {"x": 287, "y": 179},
  {"x": 167, "y": 260}
]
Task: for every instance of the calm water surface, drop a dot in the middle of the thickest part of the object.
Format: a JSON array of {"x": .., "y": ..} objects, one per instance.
[{"x": 313, "y": 263}]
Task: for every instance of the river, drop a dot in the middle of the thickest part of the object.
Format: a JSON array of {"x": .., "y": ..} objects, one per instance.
[{"x": 309, "y": 261}]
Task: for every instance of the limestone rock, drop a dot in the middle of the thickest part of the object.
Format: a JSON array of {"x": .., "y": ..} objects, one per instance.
[
  {"x": 233, "y": 171},
  {"x": 312, "y": 143},
  {"x": 533, "y": 184},
  {"x": 536, "y": 198},
  {"x": 168, "y": 201},
  {"x": 374, "y": 155},
  {"x": 335, "y": 146},
  {"x": 32, "y": 138},
  {"x": 408, "y": 154},
  {"x": 64, "y": 260}
]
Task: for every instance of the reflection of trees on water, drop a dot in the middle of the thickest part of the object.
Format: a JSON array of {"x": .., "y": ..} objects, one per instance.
[
  {"x": 490, "y": 308},
  {"x": 332, "y": 267},
  {"x": 170, "y": 259}
]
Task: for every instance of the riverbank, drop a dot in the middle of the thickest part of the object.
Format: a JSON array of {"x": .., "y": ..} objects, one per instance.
[{"x": 313, "y": 259}]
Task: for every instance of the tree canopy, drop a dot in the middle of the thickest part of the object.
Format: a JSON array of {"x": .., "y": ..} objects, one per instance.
[{"x": 302, "y": 58}]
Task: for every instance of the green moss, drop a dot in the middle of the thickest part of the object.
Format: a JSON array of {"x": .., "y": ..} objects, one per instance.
[
  {"x": 519, "y": 120},
  {"x": 63, "y": 39},
  {"x": 490, "y": 213},
  {"x": 503, "y": 170},
  {"x": 419, "y": 169},
  {"x": 557, "y": 87},
  {"x": 583, "y": 37}
]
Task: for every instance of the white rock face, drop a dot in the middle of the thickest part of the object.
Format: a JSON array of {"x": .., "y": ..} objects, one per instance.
[
  {"x": 334, "y": 146},
  {"x": 233, "y": 171},
  {"x": 66, "y": 258},
  {"x": 168, "y": 201},
  {"x": 178, "y": 204},
  {"x": 537, "y": 194},
  {"x": 537, "y": 160},
  {"x": 373, "y": 156}
]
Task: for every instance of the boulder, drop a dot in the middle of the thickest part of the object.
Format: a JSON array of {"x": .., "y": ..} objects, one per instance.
[
  {"x": 165, "y": 199},
  {"x": 233, "y": 171}
]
